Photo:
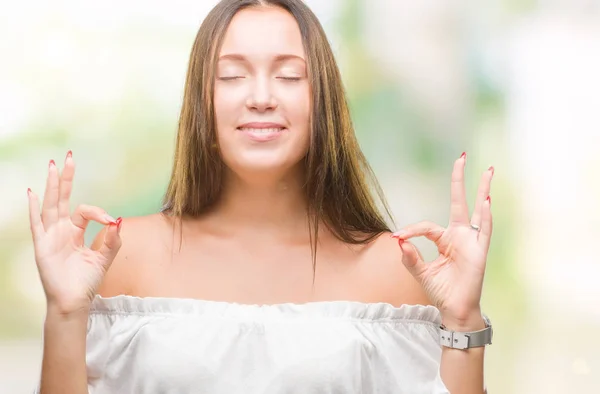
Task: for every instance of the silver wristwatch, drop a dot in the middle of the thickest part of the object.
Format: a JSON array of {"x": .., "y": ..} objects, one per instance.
[{"x": 467, "y": 340}]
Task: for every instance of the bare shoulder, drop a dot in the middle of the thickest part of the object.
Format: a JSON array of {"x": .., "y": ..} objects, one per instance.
[
  {"x": 143, "y": 239},
  {"x": 389, "y": 277}
]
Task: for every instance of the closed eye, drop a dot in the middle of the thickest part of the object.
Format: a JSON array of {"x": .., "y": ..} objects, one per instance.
[
  {"x": 290, "y": 78},
  {"x": 230, "y": 78}
]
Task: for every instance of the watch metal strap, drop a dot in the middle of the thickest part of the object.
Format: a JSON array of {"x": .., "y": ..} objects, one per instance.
[{"x": 467, "y": 340}]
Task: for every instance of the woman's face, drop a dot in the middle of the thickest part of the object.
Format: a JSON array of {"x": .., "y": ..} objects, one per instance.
[{"x": 262, "y": 94}]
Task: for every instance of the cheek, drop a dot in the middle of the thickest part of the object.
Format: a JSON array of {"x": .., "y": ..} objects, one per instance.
[
  {"x": 228, "y": 104},
  {"x": 305, "y": 113},
  {"x": 297, "y": 108},
  {"x": 298, "y": 100},
  {"x": 225, "y": 105}
]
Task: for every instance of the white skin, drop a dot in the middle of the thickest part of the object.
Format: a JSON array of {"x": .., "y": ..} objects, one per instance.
[
  {"x": 263, "y": 207},
  {"x": 262, "y": 77},
  {"x": 263, "y": 181},
  {"x": 253, "y": 85}
]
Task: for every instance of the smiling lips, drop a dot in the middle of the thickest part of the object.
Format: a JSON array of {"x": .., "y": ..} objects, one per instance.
[{"x": 262, "y": 131}]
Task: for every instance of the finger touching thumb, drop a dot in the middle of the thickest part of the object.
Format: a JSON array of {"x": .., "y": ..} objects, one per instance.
[
  {"x": 412, "y": 259},
  {"x": 112, "y": 242}
]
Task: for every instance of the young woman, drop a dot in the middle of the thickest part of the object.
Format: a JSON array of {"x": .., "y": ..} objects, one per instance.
[{"x": 270, "y": 269}]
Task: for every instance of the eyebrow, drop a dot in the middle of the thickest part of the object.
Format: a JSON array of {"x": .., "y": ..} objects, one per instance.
[{"x": 276, "y": 58}]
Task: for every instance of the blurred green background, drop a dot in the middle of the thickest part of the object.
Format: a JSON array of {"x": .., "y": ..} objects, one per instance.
[{"x": 513, "y": 83}]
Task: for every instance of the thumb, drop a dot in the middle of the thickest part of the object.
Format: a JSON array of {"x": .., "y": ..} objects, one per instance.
[
  {"x": 112, "y": 243},
  {"x": 412, "y": 259}
]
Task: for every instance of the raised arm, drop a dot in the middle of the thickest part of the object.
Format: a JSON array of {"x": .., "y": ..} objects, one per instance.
[
  {"x": 70, "y": 274},
  {"x": 453, "y": 282}
]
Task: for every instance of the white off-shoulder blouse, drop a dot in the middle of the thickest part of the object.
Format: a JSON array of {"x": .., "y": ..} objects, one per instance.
[{"x": 173, "y": 345}]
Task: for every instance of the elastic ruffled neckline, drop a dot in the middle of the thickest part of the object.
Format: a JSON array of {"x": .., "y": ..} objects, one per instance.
[{"x": 131, "y": 305}]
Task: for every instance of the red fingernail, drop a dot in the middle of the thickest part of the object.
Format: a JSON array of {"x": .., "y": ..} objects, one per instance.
[
  {"x": 51, "y": 163},
  {"x": 118, "y": 222},
  {"x": 491, "y": 169},
  {"x": 464, "y": 154},
  {"x": 28, "y": 190},
  {"x": 489, "y": 200},
  {"x": 69, "y": 154}
]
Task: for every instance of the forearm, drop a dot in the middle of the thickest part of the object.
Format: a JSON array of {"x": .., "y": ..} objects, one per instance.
[
  {"x": 462, "y": 370},
  {"x": 63, "y": 363}
]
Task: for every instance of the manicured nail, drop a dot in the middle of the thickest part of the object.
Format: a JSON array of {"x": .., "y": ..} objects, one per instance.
[
  {"x": 28, "y": 191},
  {"x": 110, "y": 219},
  {"x": 118, "y": 222},
  {"x": 491, "y": 169},
  {"x": 398, "y": 234},
  {"x": 69, "y": 154},
  {"x": 489, "y": 200},
  {"x": 51, "y": 164},
  {"x": 464, "y": 155}
]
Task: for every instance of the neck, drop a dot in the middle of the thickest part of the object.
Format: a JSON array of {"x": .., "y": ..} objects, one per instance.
[{"x": 269, "y": 206}]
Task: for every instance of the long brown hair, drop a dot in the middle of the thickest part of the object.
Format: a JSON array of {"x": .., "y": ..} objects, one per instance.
[{"x": 338, "y": 178}]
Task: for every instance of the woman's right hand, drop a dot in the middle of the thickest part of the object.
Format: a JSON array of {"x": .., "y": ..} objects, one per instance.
[{"x": 70, "y": 272}]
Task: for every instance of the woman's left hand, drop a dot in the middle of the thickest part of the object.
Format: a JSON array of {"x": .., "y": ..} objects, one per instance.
[{"x": 454, "y": 280}]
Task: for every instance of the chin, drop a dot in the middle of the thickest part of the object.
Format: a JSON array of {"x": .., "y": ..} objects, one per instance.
[
  {"x": 263, "y": 165},
  {"x": 266, "y": 166}
]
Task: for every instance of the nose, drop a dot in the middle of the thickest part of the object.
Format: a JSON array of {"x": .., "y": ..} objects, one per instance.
[{"x": 261, "y": 97}]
